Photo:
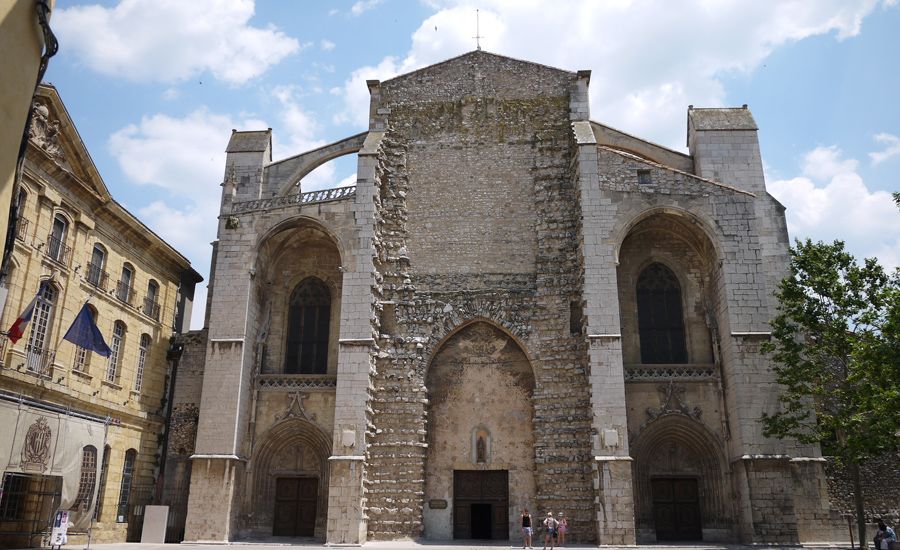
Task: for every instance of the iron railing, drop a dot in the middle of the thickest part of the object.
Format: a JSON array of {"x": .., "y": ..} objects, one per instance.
[
  {"x": 124, "y": 292},
  {"x": 57, "y": 250},
  {"x": 151, "y": 308},
  {"x": 96, "y": 276},
  {"x": 39, "y": 361}
]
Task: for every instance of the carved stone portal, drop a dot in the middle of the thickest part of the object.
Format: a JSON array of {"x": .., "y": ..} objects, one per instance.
[{"x": 672, "y": 403}]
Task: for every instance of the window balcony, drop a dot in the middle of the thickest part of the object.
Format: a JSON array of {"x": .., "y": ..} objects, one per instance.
[
  {"x": 57, "y": 250},
  {"x": 151, "y": 308},
  {"x": 96, "y": 277},
  {"x": 124, "y": 292}
]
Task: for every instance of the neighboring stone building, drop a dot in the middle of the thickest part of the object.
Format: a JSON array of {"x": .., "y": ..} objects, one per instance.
[
  {"x": 78, "y": 428},
  {"x": 514, "y": 307}
]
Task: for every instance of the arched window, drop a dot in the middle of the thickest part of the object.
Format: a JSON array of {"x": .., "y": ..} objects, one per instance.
[
  {"x": 95, "y": 273},
  {"x": 660, "y": 317},
  {"x": 88, "y": 479},
  {"x": 151, "y": 304},
  {"x": 101, "y": 490},
  {"x": 125, "y": 487},
  {"x": 21, "y": 222},
  {"x": 82, "y": 355},
  {"x": 115, "y": 357},
  {"x": 38, "y": 358},
  {"x": 309, "y": 315},
  {"x": 56, "y": 245},
  {"x": 142, "y": 358},
  {"x": 123, "y": 288}
]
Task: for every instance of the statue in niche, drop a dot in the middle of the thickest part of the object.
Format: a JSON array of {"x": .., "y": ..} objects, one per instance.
[{"x": 480, "y": 450}]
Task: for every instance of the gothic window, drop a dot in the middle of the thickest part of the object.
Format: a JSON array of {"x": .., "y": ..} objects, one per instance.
[
  {"x": 104, "y": 472},
  {"x": 125, "y": 488},
  {"x": 660, "y": 318},
  {"x": 142, "y": 358},
  {"x": 88, "y": 478},
  {"x": 309, "y": 315},
  {"x": 115, "y": 357}
]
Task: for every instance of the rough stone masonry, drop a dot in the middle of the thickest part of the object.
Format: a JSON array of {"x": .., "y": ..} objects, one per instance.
[{"x": 514, "y": 307}]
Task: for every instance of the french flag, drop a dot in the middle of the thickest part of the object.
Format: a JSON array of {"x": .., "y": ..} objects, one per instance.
[{"x": 18, "y": 327}]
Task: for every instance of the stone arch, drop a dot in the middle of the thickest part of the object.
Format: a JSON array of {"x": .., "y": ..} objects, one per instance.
[
  {"x": 300, "y": 165},
  {"x": 708, "y": 228},
  {"x": 293, "y": 447},
  {"x": 446, "y": 331},
  {"x": 480, "y": 383},
  {"x": 683, "y": 246},
  {"x": 678, "y": 446},
  {"x": 295, "y": 222},
  {"x": 287, "y": 254}
]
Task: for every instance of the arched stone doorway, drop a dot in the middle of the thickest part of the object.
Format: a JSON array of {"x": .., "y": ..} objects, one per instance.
[
  {"x": 290, "y": 482},
  {"x": 680, "y": 491},
  {"x": 480, "y": 462}
]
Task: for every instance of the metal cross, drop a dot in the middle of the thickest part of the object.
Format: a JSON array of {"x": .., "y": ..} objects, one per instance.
[{"x": 477, "y": 36}]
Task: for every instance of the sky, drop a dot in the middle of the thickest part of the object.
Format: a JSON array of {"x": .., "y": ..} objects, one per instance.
[{"x": 155, "y": 87}]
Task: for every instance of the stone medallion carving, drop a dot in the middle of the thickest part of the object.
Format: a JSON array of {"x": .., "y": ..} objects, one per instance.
[
  {"x": 672, "y": 403},
  {"x": 36, "y": 449},
  {"x": 295, "y": 408},
  {"x": 44, "y": 131}
]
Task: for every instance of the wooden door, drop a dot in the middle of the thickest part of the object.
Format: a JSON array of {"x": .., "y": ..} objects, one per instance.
[
  {"x": 481, "y": 504},
  {"x": 676, "y": 509},
  {"x": 295, "y": 507}
]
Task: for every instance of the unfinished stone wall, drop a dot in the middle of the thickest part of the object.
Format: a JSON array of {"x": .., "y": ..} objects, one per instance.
[
  {"x": 880, "y": 481},
  {"x": 489, "y": 138}
]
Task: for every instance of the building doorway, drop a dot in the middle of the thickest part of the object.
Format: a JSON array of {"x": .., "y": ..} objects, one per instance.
[
  {"x": 481, "y": 504},
  {"x": 676, "y": 509},
  {"x": 295, "y": 506}
]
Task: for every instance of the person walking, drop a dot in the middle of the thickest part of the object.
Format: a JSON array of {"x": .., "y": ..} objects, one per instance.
[
  {"x": 526, "y": 529},
  {"x": 550, "y": 525},
  {"x": 562, "y": 528}
]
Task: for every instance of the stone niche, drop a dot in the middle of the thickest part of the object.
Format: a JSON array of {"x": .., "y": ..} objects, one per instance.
[{"x": 480, "y": 386}]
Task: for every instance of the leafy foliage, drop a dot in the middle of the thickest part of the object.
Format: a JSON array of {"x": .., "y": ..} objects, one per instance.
[{"x": 836, "y": 347}]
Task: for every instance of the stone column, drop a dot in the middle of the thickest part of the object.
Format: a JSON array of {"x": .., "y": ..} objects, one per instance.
[
  {"x": 614, "y": 500},
  {"x": 347, "y": 522}
]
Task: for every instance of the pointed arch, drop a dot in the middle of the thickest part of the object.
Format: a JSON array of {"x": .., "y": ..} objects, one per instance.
[{"x": 676, "y": 445}]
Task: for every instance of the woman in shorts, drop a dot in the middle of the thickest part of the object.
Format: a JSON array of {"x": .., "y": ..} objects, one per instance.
[
  {"x": 562, "y": 528},
  {"x": 526, "y": 529},
  {"x": 550, "y": 525}
]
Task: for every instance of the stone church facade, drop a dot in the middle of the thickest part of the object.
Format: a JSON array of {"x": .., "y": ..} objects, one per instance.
[{"x": 514, "y": 307}]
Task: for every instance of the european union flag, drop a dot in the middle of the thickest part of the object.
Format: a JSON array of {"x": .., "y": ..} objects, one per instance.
[{"x": 84, "y": 333}]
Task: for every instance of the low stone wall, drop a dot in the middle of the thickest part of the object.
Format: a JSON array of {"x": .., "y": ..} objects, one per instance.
[{"x": 880, "y": 484}]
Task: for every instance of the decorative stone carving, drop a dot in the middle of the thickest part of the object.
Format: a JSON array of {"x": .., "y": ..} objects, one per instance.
[
  {"x": 44, "y": 132},
  {"x": 672, "y": 403},
  {"x": 36, "y": 449},
  {"x": 296, "y": 409}
]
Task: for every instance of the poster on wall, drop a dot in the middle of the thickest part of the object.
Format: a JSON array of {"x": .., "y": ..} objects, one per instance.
[{"x": 59, "y": 535}]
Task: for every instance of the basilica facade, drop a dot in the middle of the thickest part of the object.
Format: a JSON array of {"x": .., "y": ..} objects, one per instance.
[{"x": 514, "y": 307}]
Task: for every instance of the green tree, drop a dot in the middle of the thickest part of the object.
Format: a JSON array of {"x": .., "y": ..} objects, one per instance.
[{"x": 836, "y": 348}]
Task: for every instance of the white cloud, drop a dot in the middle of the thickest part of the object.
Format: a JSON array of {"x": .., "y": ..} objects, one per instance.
[
  {"x": 891, "y": 149},
  {"x": 650, "y": 58},
  {"x": 172, "y": 40},
  {"x": 171, "y": 94},
  {"x": 830, "y": 200},
  {"x": 326, "y": 45},
  {"x": 298, "y": 125},
  {"x": 363, "y": 6}
]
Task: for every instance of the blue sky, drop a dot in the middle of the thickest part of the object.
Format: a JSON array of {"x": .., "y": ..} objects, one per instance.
[{"x": 155, "y": 86}]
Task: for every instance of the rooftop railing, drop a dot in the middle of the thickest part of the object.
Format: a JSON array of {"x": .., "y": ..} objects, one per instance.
[{"x": 311, "y": 197}]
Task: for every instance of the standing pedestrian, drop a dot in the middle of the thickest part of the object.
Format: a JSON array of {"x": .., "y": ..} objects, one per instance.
[
  {"x": 550, "y": 525},
  {"x": 526, "y": 529},
  {"x": 562, "y": 528}
]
